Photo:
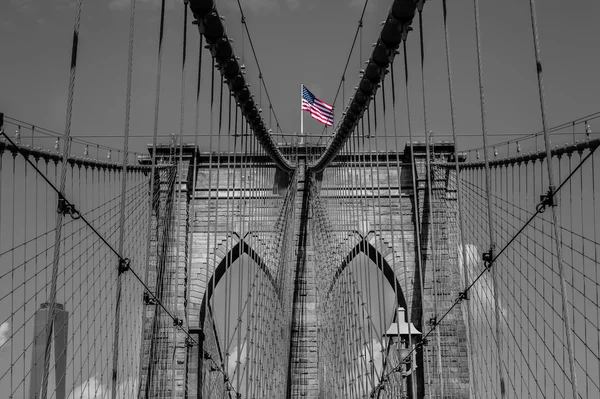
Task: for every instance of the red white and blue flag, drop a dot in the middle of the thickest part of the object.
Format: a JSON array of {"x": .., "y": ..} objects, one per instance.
[{"x": 318, "y": 109}]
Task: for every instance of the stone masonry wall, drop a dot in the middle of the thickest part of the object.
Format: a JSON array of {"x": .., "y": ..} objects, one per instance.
[
  {"x": 387, "y": 215},
  {"x": 214, "y": 218}
]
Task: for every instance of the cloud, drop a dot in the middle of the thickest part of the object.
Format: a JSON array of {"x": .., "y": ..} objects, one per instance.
[
  {"x": 371, "y": 357},
  {"x": 482, "y": 294},
  {"x": 292, "y": 4},
  {"x": 8, "y": 26},
  {"x": 95, "y": 389},
  {"x": 90, "y": 389},
  {"x": 23, "y": 5},
  {"x": 232, "y": 366},
  {"x": 4, "y": 333},
  {"x": 31, "y": 8}
]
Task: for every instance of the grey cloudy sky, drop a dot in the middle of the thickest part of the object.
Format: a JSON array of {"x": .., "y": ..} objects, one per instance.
[{"x": 297, "y": 42}]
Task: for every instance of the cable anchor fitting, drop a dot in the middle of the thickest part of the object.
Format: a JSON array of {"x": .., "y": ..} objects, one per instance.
[
  {"x": 463, "y": 296},
  {"x": 177, "y": 322},
  {"x": 546, "y": 200},
  {"x": 433, "y": 321},
  {"x": 124, "y": 265},
  {"x": 66, "y": 208},
  {"x": 149, "y": 300},
  {"x": 488, "y": 258}
]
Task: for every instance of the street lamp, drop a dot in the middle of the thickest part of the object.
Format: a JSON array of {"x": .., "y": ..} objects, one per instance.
[{"x": 401, "y": 334}]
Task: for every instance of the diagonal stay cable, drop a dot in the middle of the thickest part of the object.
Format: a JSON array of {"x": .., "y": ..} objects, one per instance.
[
  {"x": 76, "y": 215},
  {"x": 540, "y": 208}
]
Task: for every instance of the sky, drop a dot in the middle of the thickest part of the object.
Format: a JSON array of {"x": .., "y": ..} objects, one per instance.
[{"x": 296, "y": 42}]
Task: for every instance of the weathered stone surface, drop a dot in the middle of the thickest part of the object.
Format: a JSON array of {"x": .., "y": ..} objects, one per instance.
[{"x": 217, "y": 217}]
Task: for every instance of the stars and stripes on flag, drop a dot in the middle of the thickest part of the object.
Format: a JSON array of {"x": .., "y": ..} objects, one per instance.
[{"x": 319, "y": 110}]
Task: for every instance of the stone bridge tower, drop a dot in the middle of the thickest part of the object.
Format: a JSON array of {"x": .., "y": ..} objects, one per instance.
[{"x": 198, "y": 239}]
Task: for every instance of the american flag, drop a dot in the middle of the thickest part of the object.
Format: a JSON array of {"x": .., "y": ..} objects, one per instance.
[{"x": 318, "y": 109}]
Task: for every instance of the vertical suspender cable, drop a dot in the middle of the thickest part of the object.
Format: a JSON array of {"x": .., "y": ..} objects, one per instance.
[
  {"x": 555, "y": 216},
  {"x": 151, "y": 193},
  {"x": 461, "y": 221},
  {"x": 177, "y": 203},
  {"x": 376, "y": 205},
  {"x": 116, "y": 339},
  {"x": 413, "y": 385},
  {"x": 207, "y": 275},
  {"x": 415, "y": 199},
  {"x": 430, "y": 197},
  {"x": 59, "y": 215},
  {"x": 489, "y": 200},
  {"x": 192, "y": 207}
]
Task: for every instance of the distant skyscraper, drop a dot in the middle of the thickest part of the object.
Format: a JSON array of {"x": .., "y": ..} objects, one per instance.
[{"x": 60, "y": 326}]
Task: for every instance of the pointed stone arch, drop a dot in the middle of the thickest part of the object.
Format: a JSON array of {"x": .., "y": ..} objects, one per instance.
[{"x": 226, "y": 261}]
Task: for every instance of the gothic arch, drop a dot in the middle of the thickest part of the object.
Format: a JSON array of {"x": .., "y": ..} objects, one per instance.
[{"x": 364, "y": 246}]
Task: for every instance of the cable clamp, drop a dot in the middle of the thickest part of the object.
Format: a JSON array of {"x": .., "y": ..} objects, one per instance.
[
  {"x": 213, "y": 368},
  {"x": 189, "y": 342},
  {"x": 405, "y": 28},
  {"x": 487, "y": 258},
  {"x": 463, "y": 296},
  {"x": 66, "y": 208},
  {"x": 124, "y": 265},
  {"x": 149, "y": 300},
  {"x": 177, "y": 322},
  {"x": 546, "y": 200},
  {"x": 433, "y": 321}
]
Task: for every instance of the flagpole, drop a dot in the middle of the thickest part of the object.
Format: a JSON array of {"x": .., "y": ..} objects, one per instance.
[{"x": 301, "y": 116}]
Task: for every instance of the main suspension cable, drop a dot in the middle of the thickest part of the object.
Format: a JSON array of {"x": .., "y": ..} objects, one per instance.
[
  {"x": 260, "y": 74},
  {"x": 356, "y": 34}
]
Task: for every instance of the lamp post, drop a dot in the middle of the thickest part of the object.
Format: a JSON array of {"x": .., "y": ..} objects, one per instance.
[{"x": 402, "y": 337}]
